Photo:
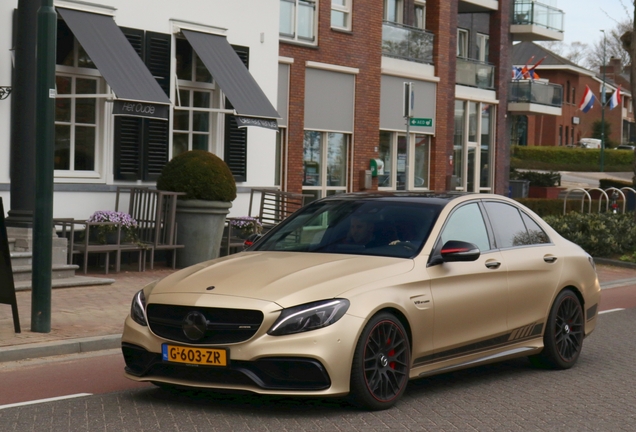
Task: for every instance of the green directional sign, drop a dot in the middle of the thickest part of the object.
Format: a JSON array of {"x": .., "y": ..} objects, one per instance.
[{"x": 426, "y": 122}]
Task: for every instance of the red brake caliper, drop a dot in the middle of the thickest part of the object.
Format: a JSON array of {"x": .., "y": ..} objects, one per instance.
[{"x": 391, "y": 354}]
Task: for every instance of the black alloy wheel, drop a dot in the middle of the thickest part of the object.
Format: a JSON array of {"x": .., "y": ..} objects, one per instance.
[
  {"x": 563, "y": 338},
  {"x": 380, "y": 370}
]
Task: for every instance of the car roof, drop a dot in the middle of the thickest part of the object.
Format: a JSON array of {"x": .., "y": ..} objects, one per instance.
[{"x": 440, "y": 198}]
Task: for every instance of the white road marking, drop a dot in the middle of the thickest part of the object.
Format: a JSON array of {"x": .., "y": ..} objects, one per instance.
[
  {"x": 611, "y": 310},
  {"x": 45, "y": 400}
]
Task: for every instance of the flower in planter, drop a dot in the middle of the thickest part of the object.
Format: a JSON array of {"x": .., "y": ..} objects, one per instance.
[
  {"x": 247, "y": 225},
  {"x": 128, "y": 224}
]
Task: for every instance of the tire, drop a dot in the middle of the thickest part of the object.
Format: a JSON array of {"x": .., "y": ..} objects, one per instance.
[
  {"x": 381, "y": 364},
  {"x": 563, "y": 336}
]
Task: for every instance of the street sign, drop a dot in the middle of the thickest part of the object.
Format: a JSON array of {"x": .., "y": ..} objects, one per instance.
[{"x": 426, "y": 122}]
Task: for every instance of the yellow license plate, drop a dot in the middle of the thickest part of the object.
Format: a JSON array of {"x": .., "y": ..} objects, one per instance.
[{"x": 198, "y": 356}]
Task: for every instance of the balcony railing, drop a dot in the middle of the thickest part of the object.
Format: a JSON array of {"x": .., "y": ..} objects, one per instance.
[
  {"x": 474, "y": 73},
  {"x": 528, "y": 91},
  {"x": 529, "y": 12},
  {"x": 407, "y": 43}
]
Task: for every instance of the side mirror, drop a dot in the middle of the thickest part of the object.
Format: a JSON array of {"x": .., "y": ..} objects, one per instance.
[{"x": 455, "y": 250}]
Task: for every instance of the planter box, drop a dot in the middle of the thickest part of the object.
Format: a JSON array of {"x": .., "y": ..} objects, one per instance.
[{"x": 544, "y": 192}]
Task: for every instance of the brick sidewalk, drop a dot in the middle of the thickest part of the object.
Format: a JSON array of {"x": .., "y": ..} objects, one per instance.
[
  {"x": 94, "y": 311},
  {"x": 80, "y": 312}
]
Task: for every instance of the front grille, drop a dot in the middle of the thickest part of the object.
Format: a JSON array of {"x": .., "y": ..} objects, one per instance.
[{"x": 223, "y": 325}]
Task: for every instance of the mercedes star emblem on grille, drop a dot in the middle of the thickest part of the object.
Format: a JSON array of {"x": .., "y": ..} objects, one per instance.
[{"x": 194, "y": 325}]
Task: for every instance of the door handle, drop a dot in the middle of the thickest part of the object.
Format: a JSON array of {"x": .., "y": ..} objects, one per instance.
[
  {"x": 493, "y": 264},
  {"x": 549, "y": 259}
]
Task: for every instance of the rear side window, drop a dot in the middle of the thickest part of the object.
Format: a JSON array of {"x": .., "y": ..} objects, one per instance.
[
  {"x": 536, "y": 235},
  {"x": 513, "y": 228}
]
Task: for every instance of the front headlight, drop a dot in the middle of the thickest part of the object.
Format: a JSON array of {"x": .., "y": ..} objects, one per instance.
[
  {"x": 138, "y": 308},
  {"x": 310, "y": 316}
]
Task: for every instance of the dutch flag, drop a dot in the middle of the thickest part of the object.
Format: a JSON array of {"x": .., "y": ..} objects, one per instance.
[
  {"x": 588, "y": 100},
  {"x": 615, "y": 100}
]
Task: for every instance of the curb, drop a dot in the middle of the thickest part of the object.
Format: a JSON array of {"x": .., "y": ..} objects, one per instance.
[
  {"x": 69, "y": 346},
  {"x": 615, "y": 263}
]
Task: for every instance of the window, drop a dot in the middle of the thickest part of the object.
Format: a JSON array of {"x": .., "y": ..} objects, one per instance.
[
  {"x": 341, "y": 14},
  {"x": 419, "y": 19},
  {"x": 75, "y": 123},
  {"x": 473, "y": 151},
  {"x": 325, "y": 163},
  {"x": 482, "y": 47},
  {"x": 77, "y": 106},
  {"x": 462, "y": 43},
  {"x": 192, "y": 119},
  {"x": 393, "y": 11},
  {"x": 393, "y": 154},
  {"x": 513, "y": 228},
  {"x": 467, "y": 224},
  {"x": 298, "y": 20},
  {"x": 487, "y": 138}
]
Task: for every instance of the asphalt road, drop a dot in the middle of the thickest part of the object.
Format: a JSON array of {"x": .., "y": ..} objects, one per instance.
[{"x": 598, "y": 394}]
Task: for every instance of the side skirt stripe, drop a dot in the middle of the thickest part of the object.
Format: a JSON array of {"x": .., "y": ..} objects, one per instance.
[{"x": 527, "y": 332}]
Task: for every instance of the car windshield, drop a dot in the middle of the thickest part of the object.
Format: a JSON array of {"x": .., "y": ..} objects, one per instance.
[{"x": 360, "y": 227}]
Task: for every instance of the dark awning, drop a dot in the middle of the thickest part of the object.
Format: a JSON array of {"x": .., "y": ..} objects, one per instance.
[
  {"x": 233, "y": 78},
  {"x": 119, "y": 64}
]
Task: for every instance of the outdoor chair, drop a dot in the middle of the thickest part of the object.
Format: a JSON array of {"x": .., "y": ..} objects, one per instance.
[
  {"x": 274, "y": 205},
  {"x": 155, "y": 213},
  {"x": 82, "y": 237}
]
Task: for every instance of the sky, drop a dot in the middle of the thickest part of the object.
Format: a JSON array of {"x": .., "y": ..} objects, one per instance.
[{"x": 584, "y": 19}]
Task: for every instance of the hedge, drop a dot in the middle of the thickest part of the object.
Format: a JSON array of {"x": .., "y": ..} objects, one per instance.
[
  {"x": 570, "y": 159},
  {"x": 604, "y": 235},
  {"x": 554, "y": 207}
]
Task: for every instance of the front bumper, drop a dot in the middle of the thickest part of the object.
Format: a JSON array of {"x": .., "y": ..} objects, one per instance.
[{"x": 311, "y": 363}]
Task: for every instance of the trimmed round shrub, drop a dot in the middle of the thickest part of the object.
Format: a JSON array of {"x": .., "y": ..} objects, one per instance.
[{"x": 200, "y": 174}]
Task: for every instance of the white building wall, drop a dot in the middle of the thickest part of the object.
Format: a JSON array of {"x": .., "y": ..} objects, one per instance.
[
  {"x": 6, "y": 18},
  {"x": 251, "y": 23}
]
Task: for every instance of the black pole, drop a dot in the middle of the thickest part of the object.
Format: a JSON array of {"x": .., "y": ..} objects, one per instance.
[
  {"x": 603, "y": 109},
  {"x": 45, "y": 134},
  {"x": 22, "y": 166}
]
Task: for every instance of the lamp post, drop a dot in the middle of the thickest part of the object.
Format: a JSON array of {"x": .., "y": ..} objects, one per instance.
[
  {"x": 603, "y": 108},
  {"x": 45, "y": 132}
]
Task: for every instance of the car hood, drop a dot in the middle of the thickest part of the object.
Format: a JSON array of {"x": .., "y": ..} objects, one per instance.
[{"x": 286, "y": 278}]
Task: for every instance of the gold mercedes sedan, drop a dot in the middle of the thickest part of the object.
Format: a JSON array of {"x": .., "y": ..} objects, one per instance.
[{"x": 356, "y": 294}]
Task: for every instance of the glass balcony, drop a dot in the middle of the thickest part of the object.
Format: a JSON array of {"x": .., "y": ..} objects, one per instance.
[
  {"x": 530, "y": 12},
  {"x": 407, "y": 43},
  {"x": 535, "y": 92},
  {"x": 474, "y": 73}
]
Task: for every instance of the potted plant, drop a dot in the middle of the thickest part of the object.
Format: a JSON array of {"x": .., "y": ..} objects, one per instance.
[
  {"x": 245, "y": 226},
  {"x": 542, "y": 184},
  {"x": 104, "y": 233},
  {"x": 209, "y": 189}
]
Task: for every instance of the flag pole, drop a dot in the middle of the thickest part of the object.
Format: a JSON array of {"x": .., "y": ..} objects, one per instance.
[{"x": 603, "y": 108}]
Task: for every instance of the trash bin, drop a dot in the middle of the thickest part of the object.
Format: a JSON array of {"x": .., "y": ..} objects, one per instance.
[{"x": 519, "y": 188}]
